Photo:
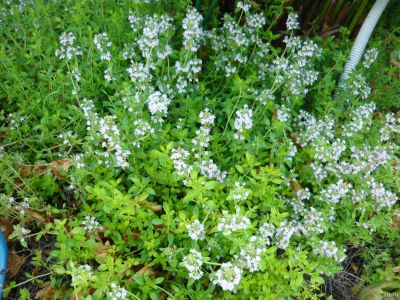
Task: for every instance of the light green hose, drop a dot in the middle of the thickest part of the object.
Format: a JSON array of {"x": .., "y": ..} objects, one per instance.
[{"x": 362, "y": 39}]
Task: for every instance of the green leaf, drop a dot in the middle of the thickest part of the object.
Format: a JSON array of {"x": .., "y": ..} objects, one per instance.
[{"x": 157, "y": 221}]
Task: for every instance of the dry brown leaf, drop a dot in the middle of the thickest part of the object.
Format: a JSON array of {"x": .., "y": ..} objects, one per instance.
[
  {"x": 293, "y": 137},
  {"x": 102, "y": 252},
  {"x": 395, "y": 222},
  {"x": 150, "y": 205},
  {"x": 295, "y": 186},
  {"x": 58, "y": 165},
  {"x": 55, "y": 166},
  {"x": 34, "y": 215},
  {"x": 6, "y": 227},
  {"x": 136, "y": 234},
  {"x": 46, "y": 292},
  {"x": 15, "y": 262},
  {"x": 37, "y": 170},
  {"x": 147, "y": 270}
]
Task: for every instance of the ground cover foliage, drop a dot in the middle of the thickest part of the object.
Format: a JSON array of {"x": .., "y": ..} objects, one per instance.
[{"x": 148, "y": 154}]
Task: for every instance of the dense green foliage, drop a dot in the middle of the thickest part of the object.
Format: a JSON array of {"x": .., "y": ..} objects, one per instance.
[{"x": 165, "y": 158}]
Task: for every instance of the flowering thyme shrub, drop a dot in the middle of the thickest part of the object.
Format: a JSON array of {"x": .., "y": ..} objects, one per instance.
[{"x": 193, "y": 170}]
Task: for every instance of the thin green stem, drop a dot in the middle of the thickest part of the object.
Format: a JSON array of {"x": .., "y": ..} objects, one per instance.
[{"x": 26, "y": 281}]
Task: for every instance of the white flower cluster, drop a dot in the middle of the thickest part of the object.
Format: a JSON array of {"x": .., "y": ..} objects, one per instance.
[
  {"x": 142, "y": 128},
  {"x": 232, "y": 44},
  {"x": 335, "y": 191},
  {"x": 139, "y": 74},
  {"x": 67, "y": 137},
  {"x": 193, "y": 32},
  {"x": 90, "y": 224},
  {"x": 230, "y": 223},
  {"x": 117, "y": 292},
  {"x": 297, "y": 202},
  {"x": 187, "y": 73},
  {"x": 154, "y": 31},
  {"x": 81, "y": 275},
  {"x": 89, "y": 113},
  {"x": 292, "y": 21},
  {"x": 243, "y": 122},
  {"x": 382, "y": 198},
  {"x": 250, "y": 255},
  {"x": 239, "y": 193},
  {"x": 20, "y": 232},
  {"x": 265, "y": 96},
  {"x": 392, "y": 125},
  {"x": 243, "y": 6},
  {"x": 228, "y": 276},
  {"x": 211, "y": 171},
  {"x": 193, "y": 262},
  {"x": 196, "y": 230},
  {"x": 330, "y": 250},
  {"x": 78, "y": 161},
  {"x": 256, "y": 21},
  {"x": 266, "y": 231},
  {"x": 68, "y": 49},
  {"x": 109, "y": 75},
  {"x": 361, "y": 118},
  {"x": 357, "y": 87},
  {"x": 284, "y": 233},
  {"x": 202, "y": 138},
  {"x": 296, "y": 72},
  {"x": 369, "y": 57},
  {"x": 312, "y": 130},
  {"x": 75, "y": 73},
  {"x": 179, "y": 157},
  {"x": 329, "y": 151},
  {"x": 105, "y": 132},
  {"x": 102, "y": 43},
  {"x": 283, "y": 114},
  {"x": 111, "y": 141},
  {"x": 292, "y": 150},
  {"x": 9, "y": 200},
  {"x": 158, "y": 105},
  {"x": 362, "y": 160},
  {"x": 313, "y": 222}
]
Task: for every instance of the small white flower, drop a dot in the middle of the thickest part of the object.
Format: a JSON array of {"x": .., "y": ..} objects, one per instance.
[
  {"x": 102, "y": 43},
  {"x": 240, "y": 193},
  {"x": 283, "y": 114},
  {"x": 211, "y": 171},
  {"x": 244, "y": 6},
  {"x": 250, "y": 255},
  {"x": 196, "y": 230},
  {"x": 193, "y": 262},
  {"x": 193, "y": 32},
  {"x": 228, "y": 276},
  {"x": 329, "y": 250},
  {"x": 206, "y": 118},
  {"x": 117, "y": 292},
  {"x": 68, "y": 49},
  {"x": 292, "y": 22},
  {"x": 243, "y": 122},
  {"x": 230, "y": 223},
  {"x": 369, "y": 57},
  {"x": 158, "y": 104},
  {"x": 90, "y": 224}
]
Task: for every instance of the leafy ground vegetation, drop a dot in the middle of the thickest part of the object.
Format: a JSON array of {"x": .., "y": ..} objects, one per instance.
[{"x": 148, "y": 152}]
